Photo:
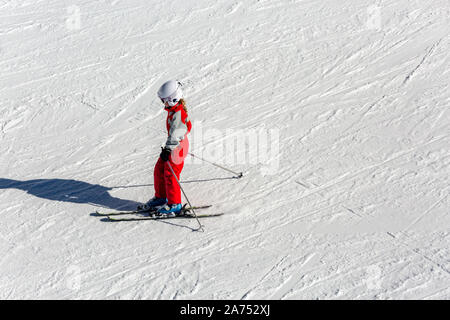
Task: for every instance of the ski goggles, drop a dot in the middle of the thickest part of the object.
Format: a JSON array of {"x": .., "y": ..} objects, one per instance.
[{"x": 170, "y": 101}]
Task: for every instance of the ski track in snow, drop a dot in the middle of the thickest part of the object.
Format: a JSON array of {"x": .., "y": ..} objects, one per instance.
[{"x": 357, "y": 209}]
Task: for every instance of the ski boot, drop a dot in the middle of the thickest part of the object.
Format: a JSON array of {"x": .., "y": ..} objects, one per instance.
[
  {"x": 153, "y": 204},
  {"x": 170, "y": 210}
]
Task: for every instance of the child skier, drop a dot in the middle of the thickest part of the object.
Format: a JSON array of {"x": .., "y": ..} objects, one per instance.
[{"x": 167, "y": 199}]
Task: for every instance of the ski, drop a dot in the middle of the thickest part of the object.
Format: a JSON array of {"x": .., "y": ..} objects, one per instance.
[
  {"x": 184, "y": 216},
  {"x": 119, "y": 213}
]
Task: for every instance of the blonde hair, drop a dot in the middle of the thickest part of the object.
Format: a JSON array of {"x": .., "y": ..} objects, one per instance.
[{"x": 183, "y": 102}]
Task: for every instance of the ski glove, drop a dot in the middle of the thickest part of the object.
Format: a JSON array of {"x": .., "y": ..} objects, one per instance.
[{"x": 165, "y": 153}]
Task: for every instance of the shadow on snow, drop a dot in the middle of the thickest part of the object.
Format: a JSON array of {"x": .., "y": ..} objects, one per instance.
[
  {"x": 78, "y": 191},
  {"x": 70, "y": 191}
]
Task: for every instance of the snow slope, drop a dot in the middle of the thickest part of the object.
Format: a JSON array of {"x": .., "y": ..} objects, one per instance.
[{"x": 355, "y": 204}]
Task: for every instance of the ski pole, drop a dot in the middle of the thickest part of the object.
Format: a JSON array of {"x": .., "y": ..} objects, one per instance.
[
  {"x": 192, "y": 207},
  {"x": 238, "y": 175}
]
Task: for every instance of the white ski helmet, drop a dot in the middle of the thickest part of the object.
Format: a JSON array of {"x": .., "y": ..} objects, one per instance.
[{"x": 171, "y": 92}]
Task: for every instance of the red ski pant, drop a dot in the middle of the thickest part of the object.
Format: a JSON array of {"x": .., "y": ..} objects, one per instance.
[{"x": 166, "y": 186}]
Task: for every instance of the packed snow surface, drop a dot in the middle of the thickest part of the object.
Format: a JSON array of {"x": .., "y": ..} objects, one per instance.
[{"x": 350, "y": 199}]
